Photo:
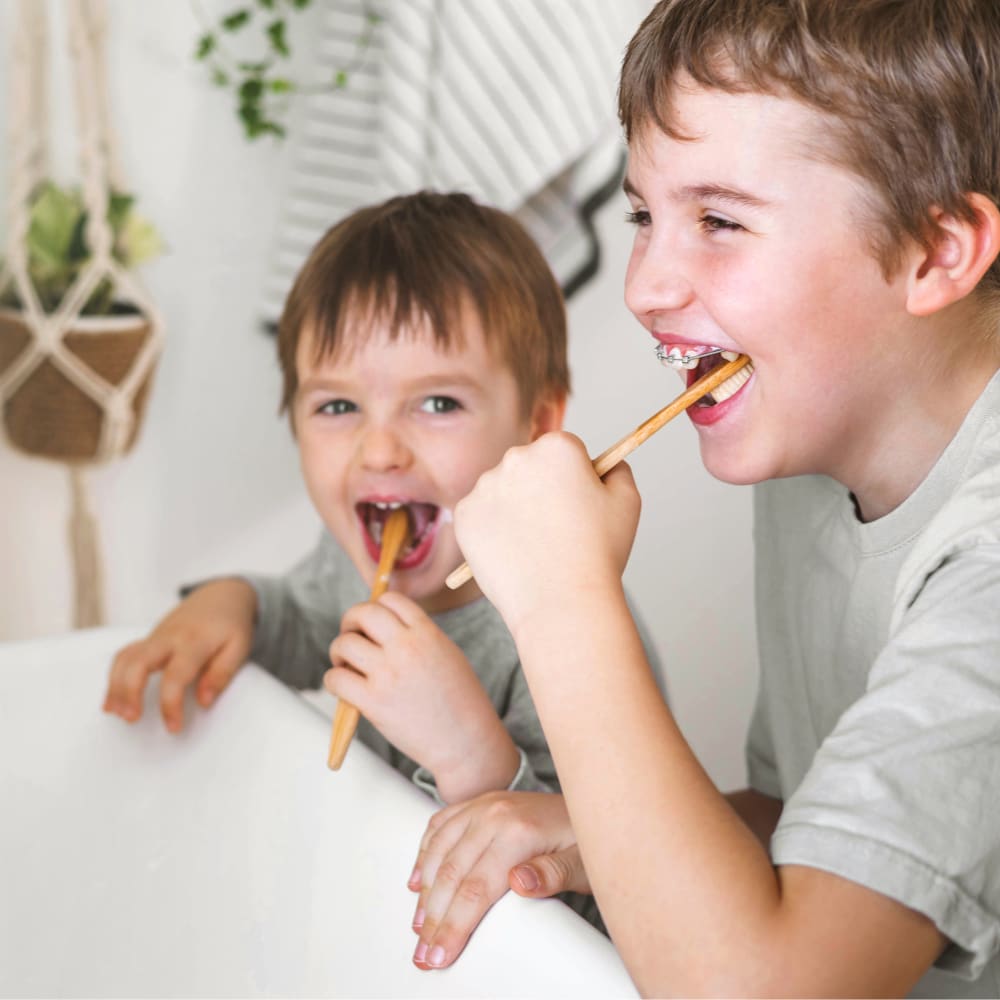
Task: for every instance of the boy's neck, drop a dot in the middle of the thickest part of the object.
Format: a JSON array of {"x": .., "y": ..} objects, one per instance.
[{"x": 926, "y": 408}]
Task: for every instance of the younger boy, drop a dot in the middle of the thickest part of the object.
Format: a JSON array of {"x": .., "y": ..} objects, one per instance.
[
  {"x": 422, "y": 339},
  {"x": 815, "y": 184}
]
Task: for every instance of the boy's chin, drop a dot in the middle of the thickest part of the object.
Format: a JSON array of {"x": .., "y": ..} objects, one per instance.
[{"x": 732, "y": 468}]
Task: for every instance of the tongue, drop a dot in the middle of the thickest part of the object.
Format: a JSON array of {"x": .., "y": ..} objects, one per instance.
[
  {"x": 422, "y": 515},
  {"x": 707, "y": 364}
]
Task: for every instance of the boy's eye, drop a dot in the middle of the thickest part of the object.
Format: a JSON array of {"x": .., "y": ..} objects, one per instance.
[
  {"x": 638, "y": 218},
  {"x": 712, "y": 223},
  {"x": 336, "y": 407},
  {"x": 439, "y": 404}
]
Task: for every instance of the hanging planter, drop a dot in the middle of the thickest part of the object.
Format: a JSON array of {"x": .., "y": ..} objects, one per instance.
[
  {"x": 53, "y": 412},
  {"x": 79, "y": 336},
  {"x": 49, "y": 415}
]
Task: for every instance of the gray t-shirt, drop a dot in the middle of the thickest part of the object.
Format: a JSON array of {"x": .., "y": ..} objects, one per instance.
[{"x": 878, "y": 715}]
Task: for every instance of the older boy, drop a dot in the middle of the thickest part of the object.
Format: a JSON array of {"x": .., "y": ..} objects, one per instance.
[
  {"x": 423, "y": 338},
  {"x": 815, "y": 183}
]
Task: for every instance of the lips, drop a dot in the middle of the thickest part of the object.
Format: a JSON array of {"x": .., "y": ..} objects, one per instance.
[{"x": 424, "y": 519}]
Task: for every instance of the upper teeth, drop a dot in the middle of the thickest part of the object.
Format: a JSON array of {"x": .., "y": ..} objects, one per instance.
[
  {"x": 689, "y": 359},
  {"x": 388, "y": 504}
]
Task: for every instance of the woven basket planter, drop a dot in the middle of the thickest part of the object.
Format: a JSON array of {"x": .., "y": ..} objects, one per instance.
[{"x": 49, "y": 416}]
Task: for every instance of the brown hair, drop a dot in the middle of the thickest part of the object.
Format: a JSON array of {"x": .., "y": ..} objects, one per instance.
[
  {"x": 423, "y": 255},
  {"x": 909, "y": 88}
]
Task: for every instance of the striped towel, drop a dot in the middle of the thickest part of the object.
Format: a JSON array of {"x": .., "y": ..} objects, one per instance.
[{"x": 511, "y": 101}]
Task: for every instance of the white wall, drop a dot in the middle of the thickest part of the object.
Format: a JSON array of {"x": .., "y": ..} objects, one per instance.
[{"x": 213, "y": 483}]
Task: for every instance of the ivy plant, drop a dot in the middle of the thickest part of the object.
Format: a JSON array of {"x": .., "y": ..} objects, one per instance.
[{"x": 263, "y": 85}]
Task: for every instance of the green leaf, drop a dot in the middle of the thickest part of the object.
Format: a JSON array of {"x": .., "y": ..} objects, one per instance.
[
  {"x": 301, "y": 4},
  {"x": 77, "y": 252},
  {"x": 138, "y": 241},
  {"x": 276, "y": 33},
  {"x": 251, "y": 90},
  {"x": 249, "y": 115},
  {"x": 273, "y": 128},
  {"x": 266, "y": 4},
  {"x": 340, "y": 79},
  {"x": 281, "y": 86},
  {"x": 220, "y": 77},
  {"x": 236, "y": 20},
  {"x": 256, "y": 68},
  {"x": 206, "y": 46},
  {"x": 119, "y": 207},
  {"x": 54, "y": 217}
]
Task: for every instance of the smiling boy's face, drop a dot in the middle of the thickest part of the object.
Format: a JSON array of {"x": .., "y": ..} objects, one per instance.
[
  {"x": 746, "y": 242},
  {"x": 405, "y": 421}
]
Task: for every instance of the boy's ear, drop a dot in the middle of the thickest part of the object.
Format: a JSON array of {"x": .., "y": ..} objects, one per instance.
[
  {"x": 548, "y": 414},
  {"x": 961, "y": 255}
]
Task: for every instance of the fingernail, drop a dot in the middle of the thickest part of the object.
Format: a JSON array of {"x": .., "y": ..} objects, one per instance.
[
  {"x": 418, "y": 955},
  {"x": 418, "y": 919},
  {"x": 436, "y": 958},
  {"x": 414, "y": 880},
  {"x": 526, "y": 877}
]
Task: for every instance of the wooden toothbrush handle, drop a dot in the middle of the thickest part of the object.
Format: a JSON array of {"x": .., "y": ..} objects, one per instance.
[
  {"x": 345, "y": 718},
  {"x": 609, "y": 458}
]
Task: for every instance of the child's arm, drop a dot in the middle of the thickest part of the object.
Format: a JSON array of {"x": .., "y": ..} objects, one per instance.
[
  {"x": 202, "y": 642},
  {"x": 418, "y": 689},
  {"x": 686, "y": 889},
  {"x": 472, "y": 853}
]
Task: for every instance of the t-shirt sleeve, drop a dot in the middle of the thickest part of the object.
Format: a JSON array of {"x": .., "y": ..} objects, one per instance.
[
  {"x": 298, "y": 617},
  {"x": 902, "y": 795}
]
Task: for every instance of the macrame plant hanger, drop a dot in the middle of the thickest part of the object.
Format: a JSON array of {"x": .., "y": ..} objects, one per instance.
[{"x": 54, "y": 345}]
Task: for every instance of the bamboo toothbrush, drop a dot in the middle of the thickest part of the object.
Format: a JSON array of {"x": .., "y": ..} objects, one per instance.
[
  {"x": 608, "y": 459},
  {"x": 345, "y": 719}
]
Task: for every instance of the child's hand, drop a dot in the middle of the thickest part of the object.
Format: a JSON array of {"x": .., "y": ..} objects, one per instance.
[
  {"x": 203, "y": 641},
  {"x": 541, "y": 527},
  {"x": 419, "y": 690},
  {"x": 472, "y": 852}
]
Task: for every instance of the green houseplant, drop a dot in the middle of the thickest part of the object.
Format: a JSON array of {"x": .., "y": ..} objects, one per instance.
[
  {"x": 51, "y": 411},
  {"x": 248, "y": 51},
  {"x": 56, "y": 246}
]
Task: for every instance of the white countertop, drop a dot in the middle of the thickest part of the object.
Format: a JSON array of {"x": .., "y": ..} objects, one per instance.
[{"x": 228, "y": 860}]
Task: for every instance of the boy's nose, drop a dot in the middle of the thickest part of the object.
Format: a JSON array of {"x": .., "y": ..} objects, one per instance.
[
  {"x": 382, "y": 448},
  {"x": 656, "y": 283}
]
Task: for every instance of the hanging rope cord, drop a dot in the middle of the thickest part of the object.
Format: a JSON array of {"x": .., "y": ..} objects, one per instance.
[{"x": 100, "y": 171}]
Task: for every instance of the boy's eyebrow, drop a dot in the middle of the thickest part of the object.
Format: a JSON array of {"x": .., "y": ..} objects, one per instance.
[
  {"x": 444, "y": 379},
  {"x": 706, "y": 192}
]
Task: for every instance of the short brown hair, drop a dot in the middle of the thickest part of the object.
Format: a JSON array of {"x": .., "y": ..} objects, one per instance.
[
  {"x": 423, "y": 255},
  {"x": 910, "y": 88}
]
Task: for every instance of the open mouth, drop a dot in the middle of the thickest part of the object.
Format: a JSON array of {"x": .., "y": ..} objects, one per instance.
[
  {"x": 693, "y": 363},
  {"x": 423, "y": 517}
]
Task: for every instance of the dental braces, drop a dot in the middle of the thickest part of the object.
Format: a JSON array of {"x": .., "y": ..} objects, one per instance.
[{"x": 675, "y": 359}]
